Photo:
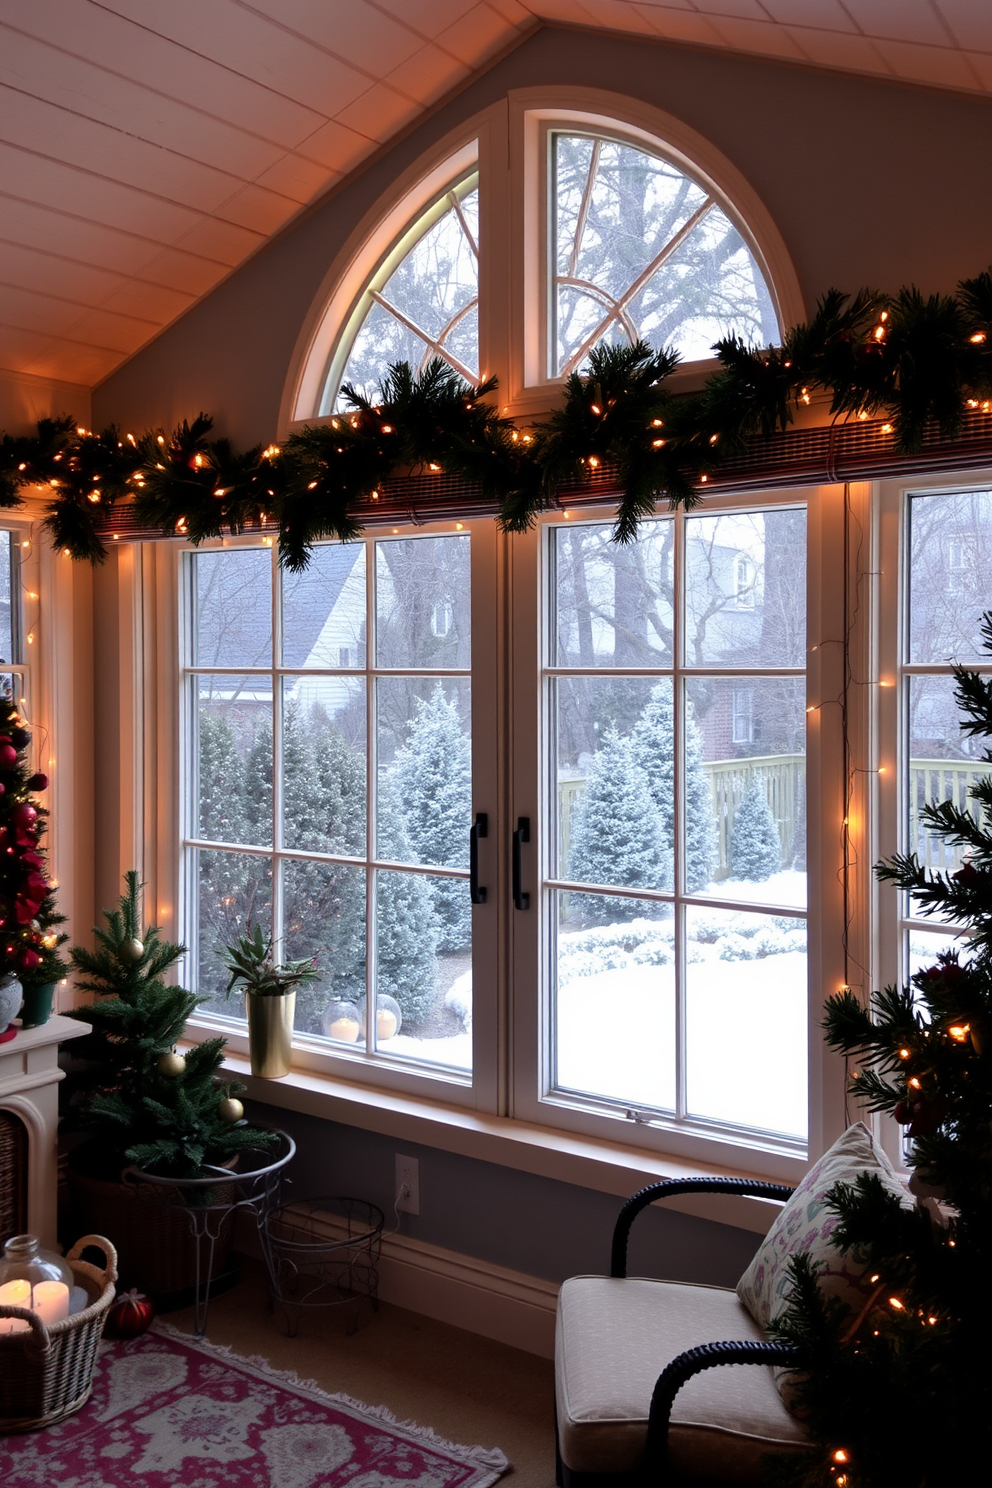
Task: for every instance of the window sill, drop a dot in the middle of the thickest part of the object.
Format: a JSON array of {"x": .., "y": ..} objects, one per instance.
[{"x": 605, "y": 1167}]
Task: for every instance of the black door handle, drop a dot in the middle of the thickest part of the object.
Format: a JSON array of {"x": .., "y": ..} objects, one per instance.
[
  {"x": 520, "y": 836},
  {"x": 479, "y": 828}
]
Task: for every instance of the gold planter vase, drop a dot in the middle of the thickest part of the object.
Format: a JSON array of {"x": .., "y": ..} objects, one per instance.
[{"x": 270, "y": 1034}]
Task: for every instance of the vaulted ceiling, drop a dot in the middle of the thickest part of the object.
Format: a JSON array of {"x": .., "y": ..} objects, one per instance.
[{"x": 148, "y": 147}]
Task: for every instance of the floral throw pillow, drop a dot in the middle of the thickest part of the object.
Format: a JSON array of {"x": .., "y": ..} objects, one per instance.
[{"x": 806, "y": 1225}]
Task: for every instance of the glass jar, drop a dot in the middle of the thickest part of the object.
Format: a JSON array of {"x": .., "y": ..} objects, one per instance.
[{"x": 24, "y": 1260}]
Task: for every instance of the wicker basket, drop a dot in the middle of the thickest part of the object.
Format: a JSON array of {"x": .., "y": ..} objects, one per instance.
[{"x": 47, "y": 1373}]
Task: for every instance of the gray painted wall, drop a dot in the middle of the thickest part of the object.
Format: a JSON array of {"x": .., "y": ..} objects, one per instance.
[
  {"x": 870, "y": 182},
  {"x": 531, "y": 1224}
]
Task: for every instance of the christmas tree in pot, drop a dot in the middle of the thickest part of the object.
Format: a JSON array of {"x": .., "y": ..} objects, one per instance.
[
  {"x": 29, "y": 934},
  {"x": 165, "y": 1112},
  {"x": 899, "y": 1394}
]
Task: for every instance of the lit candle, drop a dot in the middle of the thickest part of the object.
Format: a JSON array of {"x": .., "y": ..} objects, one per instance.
[
  {"x": 51, "y": 1301},
  {"x": 15, "y": 1294}
]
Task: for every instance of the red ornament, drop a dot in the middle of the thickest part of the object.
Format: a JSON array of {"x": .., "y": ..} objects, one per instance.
[
  {"x": 27, "y": 959},
  {"x": 966, "y": 874},
  {"x": 24, "y": 814},
  {"x": 131, "y": 1315},
  {"x": 38, "y": 781},
  {"x": 8, "y": 756}
]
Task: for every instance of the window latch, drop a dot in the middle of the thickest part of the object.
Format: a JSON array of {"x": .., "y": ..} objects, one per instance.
[{"x": 520, "y": 836}]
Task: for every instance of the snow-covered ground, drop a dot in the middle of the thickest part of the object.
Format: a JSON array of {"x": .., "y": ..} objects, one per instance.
[{"x": 787, "y": 888}]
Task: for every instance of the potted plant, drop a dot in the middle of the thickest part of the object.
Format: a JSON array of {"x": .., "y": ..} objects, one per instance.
[
  {"x": 150, "y": 1107},
  {"x": 270, "y": 999}
]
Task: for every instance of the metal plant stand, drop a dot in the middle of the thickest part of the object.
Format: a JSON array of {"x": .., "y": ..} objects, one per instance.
[
  {"x": 209, "y": 1203},
  {"x": 323, "y": 1253}
]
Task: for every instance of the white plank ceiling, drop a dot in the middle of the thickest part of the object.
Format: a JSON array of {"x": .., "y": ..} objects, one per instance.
[{"x": 147, "y": 147}]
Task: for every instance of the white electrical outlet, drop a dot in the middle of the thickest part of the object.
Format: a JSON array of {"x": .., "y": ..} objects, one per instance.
[{"x": 407, "y": 1184}]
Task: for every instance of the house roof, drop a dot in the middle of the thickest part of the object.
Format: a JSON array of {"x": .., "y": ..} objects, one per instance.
[{"x": 148, "y": 149}]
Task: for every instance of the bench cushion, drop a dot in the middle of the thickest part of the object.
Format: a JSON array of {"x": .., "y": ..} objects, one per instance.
[{"x": 616, "y": 1336}]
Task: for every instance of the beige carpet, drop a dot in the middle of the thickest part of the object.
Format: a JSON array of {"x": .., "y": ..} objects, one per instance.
[{"x": 467, "y": 1388}]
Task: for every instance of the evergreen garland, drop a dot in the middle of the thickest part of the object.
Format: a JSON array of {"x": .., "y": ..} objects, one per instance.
[
  {"x": 917, "y": 359},
  {"x": 899, "y": 1395}
]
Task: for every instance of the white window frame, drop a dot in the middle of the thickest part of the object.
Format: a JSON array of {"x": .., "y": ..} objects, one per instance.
[{"x": 891, "y": 746}]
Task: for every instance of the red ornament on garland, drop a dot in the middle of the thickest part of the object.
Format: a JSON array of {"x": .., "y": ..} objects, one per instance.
[
  {"x": 131, "y": 1315},
  {"x": 8, "y": 756},
  {"x": 24, "y": 814}
]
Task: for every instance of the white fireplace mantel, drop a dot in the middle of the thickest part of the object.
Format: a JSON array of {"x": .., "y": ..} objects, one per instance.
[{"x": 29, "y": 1078}]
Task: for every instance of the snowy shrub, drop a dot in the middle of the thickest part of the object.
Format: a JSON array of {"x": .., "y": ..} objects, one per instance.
[
  {"x": 459, "y": 999},
  {"x": 616, "y": 834},
  {"x": 736, "y": 948}
]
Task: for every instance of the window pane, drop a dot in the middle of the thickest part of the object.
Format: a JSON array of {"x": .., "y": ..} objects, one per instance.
[
  {"x": 323, "y": 609},
  {"x": 943, "y": 766},
  {"x": 323, "y": 762},
  {"x": 643, "y": 252},
  {"x": 950, "y": 574},
  {"x": 746, "y": 589},
  {"x": 615, "y": 1003},
  {"x": 746, "y": 997},
  {"x": 616, "y": 805},
  {"x": 234, "y": 892},
  {"x": 234, "y": 755},
  {"x": 232, "y": 608},
  {"x": 324, "y": 915},
  {"x": 614, "y": 603},
  {"x": 424, "y": 964},
  {"x": 747, "y": 736},
  {"x": 423, "y": 610},
  {"x": 427, "y": 306},
  {"x": 424, "y": 787},
  {"x": 8, "y": 590}
]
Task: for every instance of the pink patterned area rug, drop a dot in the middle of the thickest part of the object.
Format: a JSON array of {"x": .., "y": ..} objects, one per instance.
[{"x": 167, "y": 1410}]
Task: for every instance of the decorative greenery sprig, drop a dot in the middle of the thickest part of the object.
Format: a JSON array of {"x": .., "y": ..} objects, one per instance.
[
  {"x": 917, "y": 359},
  {"x": 252, "y": 964}
]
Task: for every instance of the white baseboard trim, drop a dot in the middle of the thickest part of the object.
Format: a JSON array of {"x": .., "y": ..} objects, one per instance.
[{"x": 466, "y": 1292}]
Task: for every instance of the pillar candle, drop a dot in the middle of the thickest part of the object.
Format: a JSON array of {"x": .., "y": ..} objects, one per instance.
[
  {"x": 14, "y": 1294},
  {"x": 51, "y": 1301}
]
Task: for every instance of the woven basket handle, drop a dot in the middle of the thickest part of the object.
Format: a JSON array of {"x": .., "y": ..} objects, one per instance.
[
  {"x": 106, "y": 1277},
  {"x": 39, "y": 1344}
]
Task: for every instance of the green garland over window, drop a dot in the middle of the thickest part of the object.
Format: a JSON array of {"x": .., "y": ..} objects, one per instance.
[{"x": 916, "y": 359}]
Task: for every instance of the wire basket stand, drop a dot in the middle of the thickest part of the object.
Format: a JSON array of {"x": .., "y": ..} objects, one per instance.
[
  {"x": 209, "y": 1203},
  {"x": 323, "y": 1253}
]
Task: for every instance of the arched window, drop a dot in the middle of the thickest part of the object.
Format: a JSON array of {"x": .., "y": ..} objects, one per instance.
[
  {"x": 422, "y": 301},
  {"x": 642, "y": 251}
]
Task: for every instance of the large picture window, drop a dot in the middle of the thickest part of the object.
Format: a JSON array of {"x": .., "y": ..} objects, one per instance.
[
  {"x": 677, "y": 895},
  {"x": 329, "y": 784}
]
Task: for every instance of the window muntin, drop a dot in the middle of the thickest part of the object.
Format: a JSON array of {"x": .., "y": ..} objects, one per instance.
[
  {"x": 641, "y": 250},
  {"x": 330, "y": 801},
  {"x": 657, "y": 817},
  {"x": 422, "y": 302}
]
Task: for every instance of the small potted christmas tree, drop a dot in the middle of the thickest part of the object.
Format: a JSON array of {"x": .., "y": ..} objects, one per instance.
[
  {"x": 154, "y": 1109},
  {"x": 898, "y": 1394},
  {"x": 30, "y": 963}
]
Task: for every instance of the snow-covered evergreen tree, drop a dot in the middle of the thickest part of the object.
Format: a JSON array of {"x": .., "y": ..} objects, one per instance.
[
  {"x": 323, "y": 904},
  {"x": 616, "y": 836},
  {"x": 408, "y": 929},
  {"x": 755, "y": 846},
  {"x": 654, "y": 750},
  {"x": 432, "y": 774},
  {"x": 221, "y": 781}
]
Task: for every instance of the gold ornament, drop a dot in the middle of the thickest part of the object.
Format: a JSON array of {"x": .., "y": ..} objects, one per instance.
[
  {"x": 170, "y": 1065},
  {"x": 230, "y": 1110},
  {"x": 132, "y": 950}
]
